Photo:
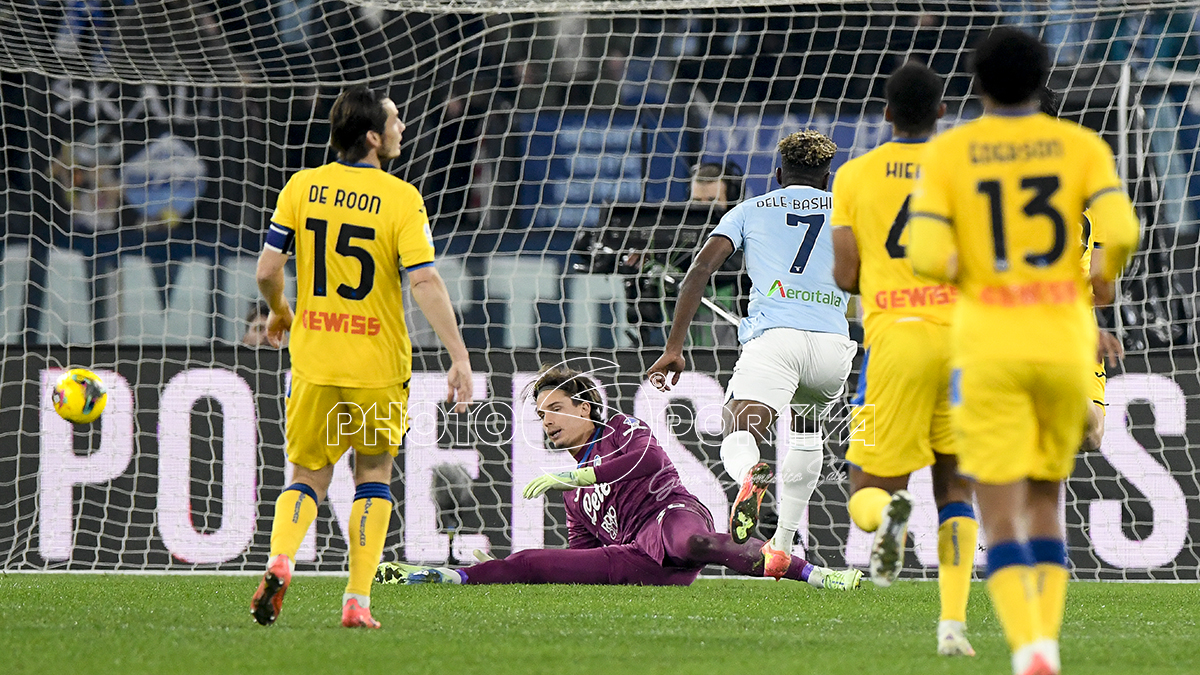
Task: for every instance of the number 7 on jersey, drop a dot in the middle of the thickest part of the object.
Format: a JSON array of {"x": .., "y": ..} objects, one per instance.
[{"x": 814, "y": 222}]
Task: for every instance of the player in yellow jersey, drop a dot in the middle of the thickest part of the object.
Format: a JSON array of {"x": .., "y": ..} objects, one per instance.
[
  {"x": 1103, "y": 294},
  {"x": 998, "y": 211},
  {"x": 900, "y": 421},
  {"x": 353, "y": 228}
]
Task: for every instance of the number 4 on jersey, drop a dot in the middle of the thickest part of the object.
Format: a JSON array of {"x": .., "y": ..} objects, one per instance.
[{"x": 894, "y": 248}]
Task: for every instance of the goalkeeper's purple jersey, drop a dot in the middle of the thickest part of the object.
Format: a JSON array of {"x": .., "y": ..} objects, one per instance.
[{"x": 635, "y": 485}]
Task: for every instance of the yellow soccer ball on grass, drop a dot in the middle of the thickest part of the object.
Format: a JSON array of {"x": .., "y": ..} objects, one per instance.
[{"x": 79, "y": 396}]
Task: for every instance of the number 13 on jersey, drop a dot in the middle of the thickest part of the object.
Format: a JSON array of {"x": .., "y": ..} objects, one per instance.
[{"x": 1043, "y": 188}]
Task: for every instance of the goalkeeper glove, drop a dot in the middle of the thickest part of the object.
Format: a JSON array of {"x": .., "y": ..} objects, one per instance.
[{"x": 564, "y": 480}]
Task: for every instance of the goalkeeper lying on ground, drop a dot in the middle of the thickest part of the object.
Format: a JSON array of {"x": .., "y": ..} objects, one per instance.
[{"x": 630, "y": 520}]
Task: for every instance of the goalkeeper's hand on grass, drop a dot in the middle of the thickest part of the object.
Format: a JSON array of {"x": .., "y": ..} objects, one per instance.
[{"x": 563, "y": 480}]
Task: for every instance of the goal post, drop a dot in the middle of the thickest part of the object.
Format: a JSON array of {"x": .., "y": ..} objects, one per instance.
[{"x": 555, "y": 144}]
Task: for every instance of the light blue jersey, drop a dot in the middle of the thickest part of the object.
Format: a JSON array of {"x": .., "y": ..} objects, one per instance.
[{"x": 789, "y": 256}]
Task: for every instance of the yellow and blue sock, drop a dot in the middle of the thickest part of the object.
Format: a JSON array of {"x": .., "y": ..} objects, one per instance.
[
  {"x": 369, "y": 519},
  {"x": 295, "y": 511},
  {"x": 958, "y": 536},
  {"x": 1011, "y": 585},
  {"x": 866, "y": 507},
  {"x": 1051, "y": 574}
]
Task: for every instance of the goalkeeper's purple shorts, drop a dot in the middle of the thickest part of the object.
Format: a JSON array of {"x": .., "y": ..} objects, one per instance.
[{"x": 645, "y": 562}]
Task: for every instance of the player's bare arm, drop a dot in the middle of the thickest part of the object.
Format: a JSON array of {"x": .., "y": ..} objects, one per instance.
[
  {"x": 716, "y": 250},
  {"x": 1109, "y": 349},
  {"x": 845, "y": 259},
  {"x": 1104, "y": 291},
  {"x": 431, "y": 295},
  {"x": 270, "y": 283},
  {"x": 1113, "y": 208}
]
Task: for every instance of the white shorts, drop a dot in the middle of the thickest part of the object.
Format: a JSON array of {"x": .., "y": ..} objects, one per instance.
[{"x": 786, "y": 365}]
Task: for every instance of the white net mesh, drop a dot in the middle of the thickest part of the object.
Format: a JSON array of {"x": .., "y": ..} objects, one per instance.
[{"x": 145, "y": 142}]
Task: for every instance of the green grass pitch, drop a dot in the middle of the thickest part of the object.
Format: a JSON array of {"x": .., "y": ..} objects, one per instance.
[{"x": 201, "y": 624}]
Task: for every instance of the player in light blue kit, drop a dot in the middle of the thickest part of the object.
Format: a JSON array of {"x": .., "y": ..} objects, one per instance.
[{"x": 795, "y": 347}]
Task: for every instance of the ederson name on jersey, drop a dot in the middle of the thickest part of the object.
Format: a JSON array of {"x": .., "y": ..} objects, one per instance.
[
  {"x": 1011, "y": 208},
  {"x": 789, "y": 257}
]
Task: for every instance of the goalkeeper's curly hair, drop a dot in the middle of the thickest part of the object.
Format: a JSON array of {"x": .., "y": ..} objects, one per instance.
[{"x": 807, "y": 153}]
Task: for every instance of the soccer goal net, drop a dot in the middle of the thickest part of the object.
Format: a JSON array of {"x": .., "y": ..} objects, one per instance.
[{"x": 555, "y": 144}]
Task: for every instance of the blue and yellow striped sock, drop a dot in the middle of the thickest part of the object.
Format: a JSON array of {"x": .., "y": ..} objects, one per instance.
[
  {"x": 1050, "y": 557},
  {"x": 369, "y": 519},
  {"x": 958, "y": 536},
  {"x": 1011, "y": 585},
  {"x": 295, "y": 511}
]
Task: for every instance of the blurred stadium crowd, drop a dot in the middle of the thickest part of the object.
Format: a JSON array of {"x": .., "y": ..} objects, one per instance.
[{"x": 164, "y": 129}]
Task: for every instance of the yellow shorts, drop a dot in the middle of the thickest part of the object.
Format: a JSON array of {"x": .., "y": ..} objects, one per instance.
[
  {"x": 1099, "y": 381},
  {"x": 901, "y": 413},
  {"x": 323, "y": 422},
  {"x": 1016, "y": 420}
]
